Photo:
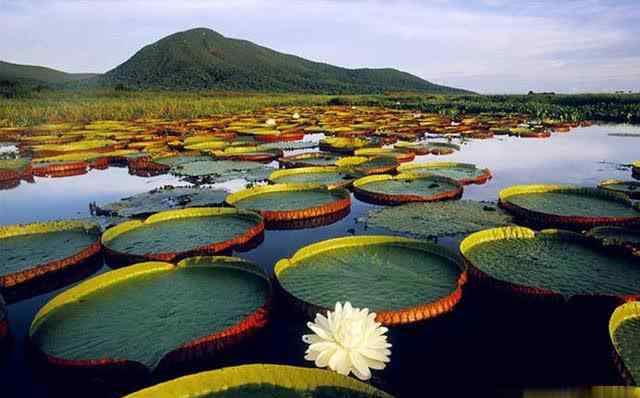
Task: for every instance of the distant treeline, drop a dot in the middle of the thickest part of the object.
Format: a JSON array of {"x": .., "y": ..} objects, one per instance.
[{"x": 622, "y": 108}]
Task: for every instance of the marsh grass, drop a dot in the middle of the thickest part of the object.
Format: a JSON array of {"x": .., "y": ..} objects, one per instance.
[{"x": 87, "y": 106}]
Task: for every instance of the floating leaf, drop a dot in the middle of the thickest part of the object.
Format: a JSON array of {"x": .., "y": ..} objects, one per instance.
[{"x": 424, "y": 220}]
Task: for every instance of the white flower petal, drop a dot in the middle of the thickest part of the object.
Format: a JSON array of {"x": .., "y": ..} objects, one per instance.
[
  {"x": 377, "y": 365},
  {"x": 322, "y": 360},
  {"x": 319, "y": 331},
  {"x": 339, "y": 362},
  {"x": 348, "y": 340},
  {"x": 378, "y": 355},
  {"x": 325, "y": 345},
  {"x": 362, "y": 376},
  {"x": 360, "y": 364}
]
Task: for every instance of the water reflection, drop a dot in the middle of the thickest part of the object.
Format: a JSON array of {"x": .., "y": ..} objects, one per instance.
[{"x": 584, "y": 156}]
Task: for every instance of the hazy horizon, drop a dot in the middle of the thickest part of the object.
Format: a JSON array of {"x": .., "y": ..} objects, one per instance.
[{"x": 487, "y": 46}]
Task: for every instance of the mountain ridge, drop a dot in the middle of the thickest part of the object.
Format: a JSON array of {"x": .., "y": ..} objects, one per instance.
[
  {"x": 34, "y": 74},
  {"x": 201, "y": 58}
]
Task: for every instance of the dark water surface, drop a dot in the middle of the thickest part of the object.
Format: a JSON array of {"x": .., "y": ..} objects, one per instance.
[{"x": 485, "y": 345}]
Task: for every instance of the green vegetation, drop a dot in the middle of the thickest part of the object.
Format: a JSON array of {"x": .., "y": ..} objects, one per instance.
[
  {"x": 38, "y": 74},
  {"x": 561, "y": 262},
  {"x": 595, "y": 107},
  {"x": 204, "y": 59},
  {"x": 425, "y": 220},
  {"x": 85, "y": 105},
  {"x": 90, "y": 105},
  {"x": 122, "y": 318}
]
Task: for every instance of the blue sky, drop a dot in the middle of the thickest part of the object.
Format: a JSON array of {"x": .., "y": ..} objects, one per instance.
[{"x": 489, "y": 46}]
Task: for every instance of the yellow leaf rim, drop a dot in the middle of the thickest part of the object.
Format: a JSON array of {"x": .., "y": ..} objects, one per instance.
[
  {"x": 414, "y": 167},
  {"x": 515, "y": 232},
  {"x": 15, "y": 280},
  {"x": 342, "y": 202},
  {"x": 359, "y": 188},
  {"x": 398, "y": 317},
  {"x": 273, "y": 178},
  {"x": 168, "y": 215},
  {"x": 566, "y": 221},
  {"x": 625, "y": 312},
  {"x": 349, "y": 161},
  {"x": 218, "y": 340},
  {"x": 215, "y": 381}
]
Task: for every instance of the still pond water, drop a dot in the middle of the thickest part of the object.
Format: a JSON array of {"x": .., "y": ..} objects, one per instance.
[{"x": 476, "y": 348}]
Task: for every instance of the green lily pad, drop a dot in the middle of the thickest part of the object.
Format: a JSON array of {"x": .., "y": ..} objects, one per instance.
[
  {"x": 143, "y": 312},
  {"x": 625, "y": 239},
  {"x": 558, "y": 203},
  {"x": 176, "y": 161},
  {"x": 383, "y": 273},
  {"x": 263, "y": 381},
  {"x": 568, "y": 205},
  {"x": 223, "y": 170},
  {"x": 165, "y": 198},
  {"x": 406, "y": 188},
  {"x": 464, "y": 173},
  {"x": 439, "y": 218},
  {"x": 284, "y": 197},
  {"x": 289, "y": 145},
  {"x": 180, "y": 231},
  {"x": 310, "y": 159},
  {"x": 629, "y": 188},
  {"x": 561, "y": 262},
  {"x": 624, "y": 329},
  {"x": 328, "y": 176},
  {"x": 23, "y": 247},
  {"x": 376, "y": 165}
]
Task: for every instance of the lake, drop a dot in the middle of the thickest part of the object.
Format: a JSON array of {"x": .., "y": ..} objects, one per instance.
[{"x": 477, "y": 347}]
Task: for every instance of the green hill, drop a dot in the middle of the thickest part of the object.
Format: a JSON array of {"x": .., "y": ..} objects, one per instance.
[
  {"x": 28, "y": 74},
  {"x": 204, "y": 59}
]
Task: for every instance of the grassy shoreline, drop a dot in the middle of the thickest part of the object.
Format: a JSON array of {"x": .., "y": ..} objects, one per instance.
[{"x": 91, "y": 105}]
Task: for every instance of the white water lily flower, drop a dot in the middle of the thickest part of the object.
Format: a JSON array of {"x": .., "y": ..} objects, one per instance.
[
  {"x": 348, "y": 340},
  {"x": 271, "y": 122},
  {"x": 296, "y": 115}
]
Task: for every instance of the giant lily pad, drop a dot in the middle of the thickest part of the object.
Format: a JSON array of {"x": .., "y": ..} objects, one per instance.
[
  {"x": 439, "y": 218},
  {"x": 176, "y": 161},
  {"x": 403, "y": 188},
  {"x": 35, "y": 251},
  {"x": 344, "y": 144},
  {"x": 262, "y": 381},
  {"x": 620, "y": 239},
  {"x": 549, "y": 263},
  {"x": 284, "y": 202},
  {"x": 153, "y": 312},
  {"x": 367, "y": 166},
  {"x": 329, "y": 176},
  {"x": 223, "y": 170},
  {"x": 624, "y": 329},
  {"x": 174, "y": 234},
  {"x": 629, "y": 188},
  {"x": 402, "y": 280},
  {"x": 309, "y": 159},
  {"x": 165, "y": 198},
  {"x": 464, "y": 173},
  {"x": 568, "y": 206},
  {"x": 400, "y": 156},
  {"x": 289, "y": 145}
]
